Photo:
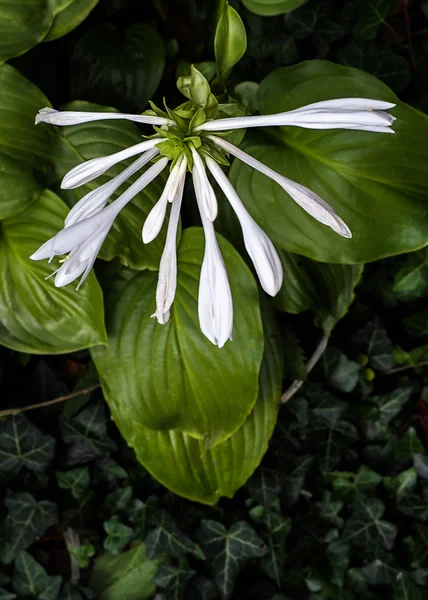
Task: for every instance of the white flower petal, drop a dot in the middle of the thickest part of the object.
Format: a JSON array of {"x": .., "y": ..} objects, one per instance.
[
  {"x": 95, "y": 201},
  {"x": 260, "y": 248},
  {"x": 167, "y": 280},
  {"x": 344, "y": 113},
  {"x": 308, "y": 200},
  {"x": 155, "y": 218},
  {"x": 95, "y": 167},
  {"x": 68, "y": 117},
  {"x": 215, "y": 307},
  {"x": 208, "y": 199}
]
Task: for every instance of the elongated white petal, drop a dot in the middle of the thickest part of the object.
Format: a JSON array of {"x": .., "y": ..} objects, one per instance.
[
  {"x": 155, "y": 218},
  {"x": 167, "y": 280},
  {"x": 304, "y": 197},
  {"x": 91, "y": 169},
  {"x": 177, "y": 186},
  {"x": 260, "y": 248},
  {"x": 215, "y": 307},
  {"x": 83, "y": 237},
  {"x": 95, "y": 201},
  {"x": 344, "y": 113},
  {"x": 68, "y": 117},
  {"x": 208, "y": 199}
]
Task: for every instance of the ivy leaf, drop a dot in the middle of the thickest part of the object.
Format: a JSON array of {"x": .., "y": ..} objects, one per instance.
[
  {"x": 173, "y": 578},
  {"x": 278, "y": 528},
  {"x": 338, "y": 555},
  {"x": 373, "y": 341},
  {"x": 408, "y": 445},
  {"x": 402, "y": 484},
  {"x": 371, "y": 16},
  {"x": 87, "y": 434},
  {"x": 76, "y": 480},
  {"x": 386, "y": 408},
  {"x": 264, "y": 487},
  {"x": 294, "y": 480},
  {"x": 70, "y": 592},
  {"x": 30, "y": 579},
  {"x": 411, "y": 281},
  {"x": 339, "y": 371},
  {"x": 5, "y": 595},
  {"x": 405, "y": 589},
  {"x": 380, "y": 61},
  {"x": 414, "y": 506},
  {"x": 27, "y": 521},
  {"x": 417, "y": 323},
  {"x": 365, "y": 527},
  {"x": 167, "y": 538},
  {"x": 119, "y": 499},
  {"x": 229, "y": 550},
  {"x": 330, "y": 433},
  {"x": 118, "y": 535},
  {"x": 23, "y": 445},
  {"x": 347, "y": 485}
]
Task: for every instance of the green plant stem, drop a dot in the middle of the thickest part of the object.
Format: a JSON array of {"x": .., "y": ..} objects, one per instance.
[
  {"x": 16, "y": 411},
  {"x": 297, "y": 384},
  {"x": 405, "y": 367}
]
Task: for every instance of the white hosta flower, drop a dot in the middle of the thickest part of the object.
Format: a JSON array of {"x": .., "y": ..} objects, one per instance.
[
  {"x": 308, "y": 200},
  {"x": 167, "y": 279},
  {"x": 215, "y": 307},
  {"x": 261, "y": 250},
  {"x": 173, "y": 188},
  {"x": 194, "y": 148},
  {"x": 345, "y": 113},
  {"x": 82, "y": 241}
]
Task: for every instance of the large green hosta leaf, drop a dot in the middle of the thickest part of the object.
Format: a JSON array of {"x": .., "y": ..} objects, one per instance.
[
  {"x": 23, "y": 25},
  {"x": 184, "y": 464},
  {"x": 171, "y": 377},
  {"x": 69, "y": 14},
  {"x": 325, "y": 288},
  {"x": 100, "y": 138},
  {"x": 35, "y": 316},
  {"x": 378, "y": 183},
  {"x": 26, "y": 151}
]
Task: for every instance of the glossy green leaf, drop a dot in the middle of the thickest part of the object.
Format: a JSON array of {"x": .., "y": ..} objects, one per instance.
[
  {"x": 167, "y": 538},
  {"x": 230, "y": 43},
  {"x": 26, "y": 151},
  {"x": 27, "y": 521},
  {"x": 23, "y": 445},
  {"x": 86, "y": 434},
  {"x": 173, "y": 578},
  {"x": 327, "y": 289},
  {"x": 35, "y": 316},
  {"x": 372, "y": 15},
  {"x": 376, "y": 182},
  {"x": 70, "y": 15},
  {"x": 30, "y": 579},
  {"x": 188, "y": 384},
  {"x": 228, "y": 550},
  {"x": 23, "y": 25},
  {"x": 118, "y": 68},
  {"x": 127, "y": 576},
  {"x": 269, "y": 8},
  {"x": 411, "y": 280},
  {"x": 76, "y": 480},
  {"x": 100, "y": 138},
  {"x": 118, "y": 535},
  {"x": 184, "y": 464},
  {"x": 366, "y": 528}
]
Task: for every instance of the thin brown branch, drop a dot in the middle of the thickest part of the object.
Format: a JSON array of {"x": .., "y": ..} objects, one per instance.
[
  {"x": 406, "y": 367},
  {"x": 297, "y": 384},
  {"x": 16, "y": 411}
]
